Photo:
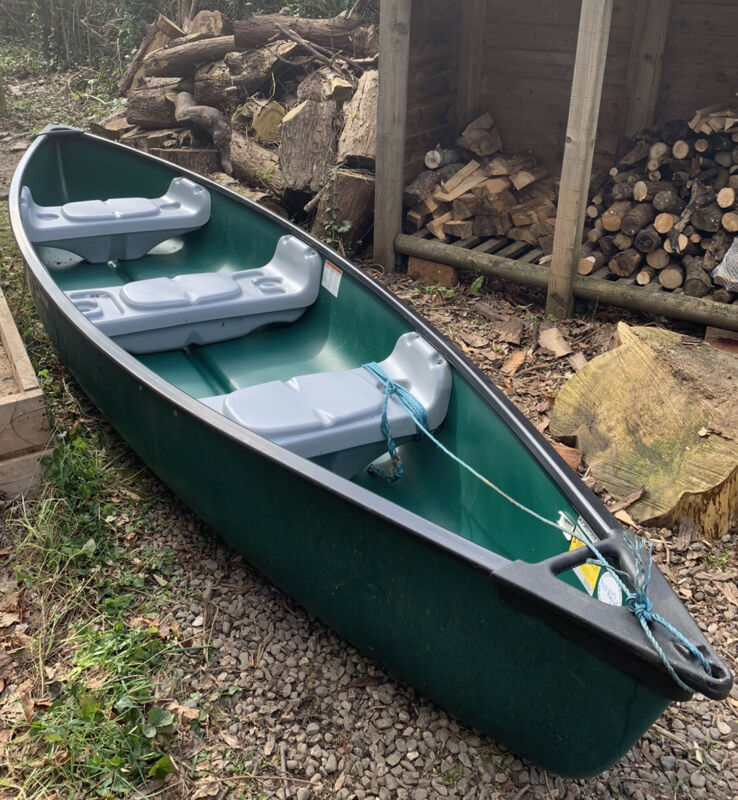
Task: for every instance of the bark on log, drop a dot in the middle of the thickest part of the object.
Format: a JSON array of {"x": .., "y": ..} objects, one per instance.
[
  {"x": 183, "y": 59},
  {"x": 426, "y": 183},
  {"x": 481, "y": 137},
  {"x": 697, "y": 283},
  {"x": 203, "y": 160},
  {"x": 638, "y": 217},
  {"x": 348, "y": 197},
  {"x": 307, "y": 145},
  {"x": 208, "y": 119},
  {"x": 338, "y": 33},
  {"x": 256, "y": 165},
  {"x": 625, "y": 263},
  {"x": 613, "y": 217},
  {"x": 149, "y": 106},
  {"x": 156, "y": 36},
  {"x": 113, "y": 126},
  {"x": 253, "y": 72},
  {"x": 357, "y": 146},
  {"x": 647, "y": 240},
  {"x": 707, "y": 219},
  {"x": 668, "y": 200},
  {"x": 212, "y": 82}
]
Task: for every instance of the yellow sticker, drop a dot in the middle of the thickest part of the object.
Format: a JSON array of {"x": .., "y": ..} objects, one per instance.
[{"x": 589, "y": 573}]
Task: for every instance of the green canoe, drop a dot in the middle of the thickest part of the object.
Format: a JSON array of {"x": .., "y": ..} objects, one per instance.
[{"x": 484, "y": 604}]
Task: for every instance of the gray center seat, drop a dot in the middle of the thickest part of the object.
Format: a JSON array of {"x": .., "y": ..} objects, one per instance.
[
  {"x": 124, "y": 227},
  {"x": 335, "y": 417},
  {"x": 159, "y": 314}
]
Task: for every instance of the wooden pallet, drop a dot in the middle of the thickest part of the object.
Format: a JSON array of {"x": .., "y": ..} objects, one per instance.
[{"x": 24, "y": 429}]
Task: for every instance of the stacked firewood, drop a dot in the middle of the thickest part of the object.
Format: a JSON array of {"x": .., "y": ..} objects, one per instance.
[
  {"x": 285, "y": 105},
  {"x": 666, "y": 214},
  {"x": 475, "y": 191}
]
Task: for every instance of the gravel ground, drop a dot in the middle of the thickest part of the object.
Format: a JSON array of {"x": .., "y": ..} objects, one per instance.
[{"x": 287, "y": 709}]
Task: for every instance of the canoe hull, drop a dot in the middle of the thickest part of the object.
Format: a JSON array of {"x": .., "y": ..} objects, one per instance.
[{"x": 434, "y": 620}]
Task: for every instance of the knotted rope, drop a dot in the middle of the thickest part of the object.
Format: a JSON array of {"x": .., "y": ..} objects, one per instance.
[{"x": 637, "y": 600}]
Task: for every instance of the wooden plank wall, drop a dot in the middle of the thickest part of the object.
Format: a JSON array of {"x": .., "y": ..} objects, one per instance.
[
  {"x": 529, "y": 61},
  {"x": 701, "y": 58},
  {"x": 434, "y": 43}
]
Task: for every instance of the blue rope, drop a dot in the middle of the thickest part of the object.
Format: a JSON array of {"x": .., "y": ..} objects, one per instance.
[{"x": 637, "y": 600}]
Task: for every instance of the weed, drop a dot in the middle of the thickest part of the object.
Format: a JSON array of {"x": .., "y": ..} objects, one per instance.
[
  {"x": 452, "y": 776},
  {"x": 442, "y": 290},
  {"x": 476, "y": 285}
]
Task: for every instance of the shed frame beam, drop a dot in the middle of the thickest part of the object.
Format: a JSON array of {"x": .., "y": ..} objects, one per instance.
[
  {"x": 394, "y": 39},
  {"x": 581, "y": 132}
]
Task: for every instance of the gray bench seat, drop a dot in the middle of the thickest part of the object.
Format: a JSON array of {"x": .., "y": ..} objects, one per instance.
[
  {"x": 159, "y": 314},
  {"x": 125, "y": 227},
  {"x": 335, "y": 417}
]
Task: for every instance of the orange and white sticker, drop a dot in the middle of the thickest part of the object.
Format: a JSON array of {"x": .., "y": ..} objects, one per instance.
[{"x": 331, "y": 278}]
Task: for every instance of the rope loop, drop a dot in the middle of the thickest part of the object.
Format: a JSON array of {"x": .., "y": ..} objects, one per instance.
[{"x": 637, "y": 600}]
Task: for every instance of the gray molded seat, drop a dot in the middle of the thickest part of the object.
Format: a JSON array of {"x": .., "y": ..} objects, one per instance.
[
  {"x": 335, "y": 417},
  {"x": 124, "y": 227},
  {"x": 158, "y": 314}
]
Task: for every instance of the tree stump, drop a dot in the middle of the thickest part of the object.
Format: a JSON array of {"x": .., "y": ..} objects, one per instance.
[
  {"x": 357, "y": 146},
  {"x": 346, "y": 207},
  {"x": 655, "y": 413},
  {"x": 256, "y": 165}
]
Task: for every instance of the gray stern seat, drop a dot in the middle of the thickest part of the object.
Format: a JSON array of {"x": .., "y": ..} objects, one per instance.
[
  {"x": 157, "y": 314},
  {"x": 335, "y": 417},
  {"x": 124, "y": 227}
]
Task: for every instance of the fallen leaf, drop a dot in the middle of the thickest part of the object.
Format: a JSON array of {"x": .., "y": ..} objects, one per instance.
[
  {"x": 513, "y": 363},
  {"x": 551, "y": 339},
  {"x": 624, "y": 517},
  {"x": 687, "y": 532},
  {"x": 208, "y": 789},
  {"x": 183, "y": 712},
  {"x": 571, "y": 455},
  {"x": 231, "y": 740},
  {"x": 542, "y": 425},
  {"x": 7, "y": 619},
  {"x": 96, "y": 683},
  {"x": 510, "y": 330},
  {"x": 730, "y": 590},
  {"x": 28, "y": 706},
  {"x": 270, "y": 743},
  {"x": 628, "y": 500}
]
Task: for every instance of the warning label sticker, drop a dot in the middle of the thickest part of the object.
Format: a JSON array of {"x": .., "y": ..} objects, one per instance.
[{"x": 331, "y": 278}]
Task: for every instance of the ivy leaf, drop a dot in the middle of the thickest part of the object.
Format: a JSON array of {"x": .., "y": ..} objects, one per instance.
[
  {"x": 476, "y": 285},
  {"x": 161, "y": 768}
]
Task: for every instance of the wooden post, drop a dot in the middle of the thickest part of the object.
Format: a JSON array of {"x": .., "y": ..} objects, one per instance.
[
  {"x": 581, "y": 130},
  {"x": 394, "y": 39},
  {"x": 471, "y": 49},
  {"x": 644, "y": 69}
]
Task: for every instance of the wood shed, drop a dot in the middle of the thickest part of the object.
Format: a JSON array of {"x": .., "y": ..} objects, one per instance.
[{"x": 572, "y": 80}]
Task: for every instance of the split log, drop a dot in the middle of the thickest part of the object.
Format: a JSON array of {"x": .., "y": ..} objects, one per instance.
[
  {"x": 256, "y": 165},
  {"x": 613, "y": 217},
  {"x": 697, "y": 283},
  {"x": 208, "y": 119},
  {"x": 491, "y": 225},
  {"x": 347, "y": 203},
  {"x": 466, "y": 206},
  {"x": 338, "y": 33},
  {"x": 526, "y": 177},
  {"x": 183, "y": 59},
  {"x": 640, "y": 215},
  {"x": 436, "y": 225},
  {"x": 307, "y": 145},
  {"x": 325, "y": 84},
  {"x": 358, "y": 143},
  {"x": 460, "y": 228},
  {"x": 150, "y": 107},
  {"x": 494, "y": 198},
  {"x": 481, "y": 137}
]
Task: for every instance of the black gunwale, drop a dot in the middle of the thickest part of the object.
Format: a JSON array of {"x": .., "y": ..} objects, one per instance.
[{"x": 587, "y": 615}]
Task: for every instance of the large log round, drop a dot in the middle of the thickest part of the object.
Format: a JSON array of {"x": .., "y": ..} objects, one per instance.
[{"x": 255, "y": 31}]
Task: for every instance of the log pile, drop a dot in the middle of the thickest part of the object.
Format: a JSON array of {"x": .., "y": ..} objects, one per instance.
[
  {"x": 474, "y": 190},
  {"x": 666, "y": 213},
  {"x": 285, "y": 105}
]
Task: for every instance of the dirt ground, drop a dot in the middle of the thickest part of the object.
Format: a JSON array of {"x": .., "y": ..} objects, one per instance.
[{"x": 323, "y": 720}]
